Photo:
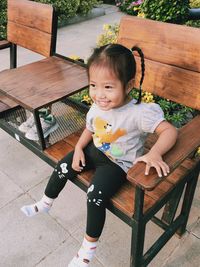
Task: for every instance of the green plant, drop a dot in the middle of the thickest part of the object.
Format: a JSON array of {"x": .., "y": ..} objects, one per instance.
[
  {"x": 109, "y": 34},
  {"x": 193, "y": 23},
  {"x": 66, "y": 8},
  {"x": 3, "y": 19},
  {"x": 86, "y": 6},
  {"x": 174, "y": 11},
  {"x": 131, "y": 7}
]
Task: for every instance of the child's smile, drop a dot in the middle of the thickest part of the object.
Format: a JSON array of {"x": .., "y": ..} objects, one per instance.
[{"x": 106, "y": 89}]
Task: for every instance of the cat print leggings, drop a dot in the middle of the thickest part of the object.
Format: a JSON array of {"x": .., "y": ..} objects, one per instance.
[{"x": 107, "y": 180}]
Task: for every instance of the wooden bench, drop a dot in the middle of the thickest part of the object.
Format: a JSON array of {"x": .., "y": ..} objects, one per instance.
[
  {"x": 6, "y": 103},
  {"x": 172, "y": 71}
]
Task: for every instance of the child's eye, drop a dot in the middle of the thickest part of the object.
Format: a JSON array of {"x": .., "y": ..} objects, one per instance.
[
  {"x": 92, "y": 85},
  {"x": 108, "y": 87}
]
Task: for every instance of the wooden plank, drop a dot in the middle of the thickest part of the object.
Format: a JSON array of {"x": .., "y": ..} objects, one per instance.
[
  {"x": 32, "y": 14},
  {"x": 188, "y": 141},
  {"x": 30, "y": 38},
  {"x": 57, "y": 151},
  {"x": 179, "y": 85},
  {"x": 43, "y": 82},
  {"x": 167, "y": 43},
  {"x": 3, "y": 107},
  {"x": 4, "y": 44},
  {"x": 7, "y": 101}
]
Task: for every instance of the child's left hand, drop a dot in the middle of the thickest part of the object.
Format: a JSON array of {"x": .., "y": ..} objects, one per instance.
[{"x": 154, "y": 160}]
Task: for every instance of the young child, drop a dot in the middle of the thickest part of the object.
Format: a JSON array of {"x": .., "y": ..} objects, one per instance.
[{"x": 112, "y": 141}]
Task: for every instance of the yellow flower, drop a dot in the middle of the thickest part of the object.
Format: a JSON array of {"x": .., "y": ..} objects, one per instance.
[
  {"x": 87, "y": 99},
  {"x": 74, "y": 57},
  {"x": 147, "y": 97},
  {"x": 198, "y": 152},
  {"x": 106, "y": 27},
  {"x": 109, "y": 33},
  {"x": 141, "y": 15}
]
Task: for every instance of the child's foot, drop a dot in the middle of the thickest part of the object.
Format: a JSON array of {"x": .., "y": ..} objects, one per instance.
[
  {"x": 85, "y": 254},
  {"x": 43, "y": 205}
]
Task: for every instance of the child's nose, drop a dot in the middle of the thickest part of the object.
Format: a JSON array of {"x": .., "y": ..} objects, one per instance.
[{"x": 100, "y": 94}]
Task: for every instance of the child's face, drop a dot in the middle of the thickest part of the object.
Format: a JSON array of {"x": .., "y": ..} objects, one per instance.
[{"x": 105, "y": 89}]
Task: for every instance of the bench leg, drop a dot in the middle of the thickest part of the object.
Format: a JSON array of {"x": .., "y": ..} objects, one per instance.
[
  {"x": 187, "y": 201},
  {"x": 171, "y": 207},
  {"x": 13, "y": 56},
  {"x": 138, "y": 230}
]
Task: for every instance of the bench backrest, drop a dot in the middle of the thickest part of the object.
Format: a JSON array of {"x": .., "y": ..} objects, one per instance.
[
  {"x": 172, "y": 58},
  {"x": 32, "y": 25}
]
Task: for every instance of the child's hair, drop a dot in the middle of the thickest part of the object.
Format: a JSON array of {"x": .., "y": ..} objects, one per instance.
[{"x": 119, "y": 59}]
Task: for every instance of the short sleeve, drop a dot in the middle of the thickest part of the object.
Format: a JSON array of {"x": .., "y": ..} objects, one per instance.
[
  {"x": 89, "y": 119},
  {"x": 151, "y": 116}
]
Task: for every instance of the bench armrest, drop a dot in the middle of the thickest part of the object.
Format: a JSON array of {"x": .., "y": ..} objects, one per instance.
[{"x": 187, "y": 142}]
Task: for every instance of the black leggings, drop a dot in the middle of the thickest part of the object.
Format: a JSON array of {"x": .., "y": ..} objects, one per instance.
[{"x": 107, "y": 180}]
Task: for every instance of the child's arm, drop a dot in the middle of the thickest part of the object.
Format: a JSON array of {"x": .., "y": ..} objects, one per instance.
[
  {"x": 167, "y": 138},
  {"x": 79, "y": 158}
]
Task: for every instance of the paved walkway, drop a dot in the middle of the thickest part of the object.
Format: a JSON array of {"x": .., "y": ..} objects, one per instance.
[{"x": 52, "y": 240}]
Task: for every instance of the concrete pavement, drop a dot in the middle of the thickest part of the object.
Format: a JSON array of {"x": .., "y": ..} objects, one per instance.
[{"x": 52, "y": 240}]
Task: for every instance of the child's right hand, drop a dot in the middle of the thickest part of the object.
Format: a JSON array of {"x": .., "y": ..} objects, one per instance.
[{"x": 78, "y": 160}]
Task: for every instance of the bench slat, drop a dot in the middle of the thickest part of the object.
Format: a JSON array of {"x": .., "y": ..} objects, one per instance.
[
  {"x": 170, "y": 82},
  {"x": 23, "y": 36},
  {"x": 30, "y": 25},
  {"x": 4, "y": 44},
  {"x": 7, "y": 101},
  {"x": 162, "y": 42},
  {"x": 33, "y": 15}
]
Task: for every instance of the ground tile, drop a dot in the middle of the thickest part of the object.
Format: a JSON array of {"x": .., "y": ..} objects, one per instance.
[
  {"x": 9, "y": 190},
  {"x": 20, "y": 164},
  {"x": 187, "y": 254},
  {"x": 69, "y": 209},
  {"x": 63, "y": 255},
  {"x": 25, "y": 241}
]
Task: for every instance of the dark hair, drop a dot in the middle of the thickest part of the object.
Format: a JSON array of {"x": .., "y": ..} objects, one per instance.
[{"x": 119, "y": 59}]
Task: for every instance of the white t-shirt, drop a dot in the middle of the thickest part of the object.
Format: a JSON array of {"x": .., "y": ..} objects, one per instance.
[{"x": 120, "y": 133}]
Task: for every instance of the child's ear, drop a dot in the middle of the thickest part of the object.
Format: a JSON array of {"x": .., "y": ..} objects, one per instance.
[{"x": 130, "y": 86}]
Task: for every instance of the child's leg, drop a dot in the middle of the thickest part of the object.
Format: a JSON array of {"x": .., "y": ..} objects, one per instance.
[
  {"x": 57, "y": 181},
  {"x": 107, "y": 180}
]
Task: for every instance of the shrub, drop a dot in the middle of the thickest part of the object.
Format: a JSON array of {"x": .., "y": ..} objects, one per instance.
[
  {"x": 3, "y": 20},
  {"x": 86, "y": 6},
  {"x": 193, "y": 23},
  {"x": 67, "y": 8},
  {"x": 174, "y": 11},
  {"x": 109, "y": 35},
  {"x": 129, "y": 6}
]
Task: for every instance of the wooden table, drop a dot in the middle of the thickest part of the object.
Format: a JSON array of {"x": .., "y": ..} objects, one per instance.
[{"x": 42, "y": 83}]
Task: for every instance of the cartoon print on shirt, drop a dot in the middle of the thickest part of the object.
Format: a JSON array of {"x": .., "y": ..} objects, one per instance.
[
  {"x": 63, "y": 171},
  {"x": 94, "y": 200},
  {"x": 104, "y": 138}
]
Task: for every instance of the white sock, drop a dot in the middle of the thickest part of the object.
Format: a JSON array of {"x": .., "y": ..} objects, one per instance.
[
  {"x": 84, "y": 255},
  {"x": 43, "y": 205}
]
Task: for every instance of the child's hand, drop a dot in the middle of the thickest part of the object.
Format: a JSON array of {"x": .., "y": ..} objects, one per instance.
[
  {"x": 154, "y": 160},
  {"x": 78, "y": 160}
]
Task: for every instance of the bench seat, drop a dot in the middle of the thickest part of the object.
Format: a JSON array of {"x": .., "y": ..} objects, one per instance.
[
  {"x": 4, "y": 44},
  {"x": 6, "y": 103},
  {"x": 124, "y": 199}
]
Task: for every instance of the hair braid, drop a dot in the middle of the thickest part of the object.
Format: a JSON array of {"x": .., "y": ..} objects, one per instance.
[{"x": 136, "y": 48}]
